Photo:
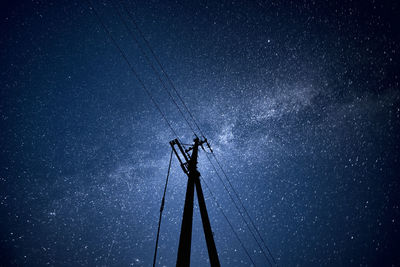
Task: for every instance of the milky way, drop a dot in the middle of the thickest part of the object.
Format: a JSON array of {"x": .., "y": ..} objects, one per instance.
[{"x": 300, "y": 102}]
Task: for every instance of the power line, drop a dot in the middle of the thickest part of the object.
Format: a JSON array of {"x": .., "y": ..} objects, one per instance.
[
  {"x": 240, "y": 213},
  {"x": 230, "y": 224},
  {"x": 241, "y": 203},
  {"x": 161, "y": 67},
  {"x": 198, "y": 127},
  {"x": 107, "y": 31},
  {"x": 150, "y": 63},
  {"x": 180, "y": 98}
]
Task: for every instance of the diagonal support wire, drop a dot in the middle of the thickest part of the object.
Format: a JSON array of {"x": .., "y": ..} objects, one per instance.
[{"x": 161, "y": 210}]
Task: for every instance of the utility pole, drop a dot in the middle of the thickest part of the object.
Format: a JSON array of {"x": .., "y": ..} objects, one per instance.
[{"x": 189, "y": 166}]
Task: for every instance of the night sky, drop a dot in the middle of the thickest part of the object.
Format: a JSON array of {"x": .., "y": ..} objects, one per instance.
[{"x": 300, "y": 101}]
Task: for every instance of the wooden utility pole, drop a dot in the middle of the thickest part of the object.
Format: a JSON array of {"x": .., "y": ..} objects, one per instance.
[{"x": 189, "y": 166}]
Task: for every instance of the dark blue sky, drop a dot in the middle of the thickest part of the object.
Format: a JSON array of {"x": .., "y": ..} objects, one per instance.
[{"x": 299, "y": 100}]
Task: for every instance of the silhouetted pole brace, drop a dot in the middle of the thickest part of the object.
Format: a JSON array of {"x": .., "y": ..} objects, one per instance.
[{"x": 185, "y": 240}]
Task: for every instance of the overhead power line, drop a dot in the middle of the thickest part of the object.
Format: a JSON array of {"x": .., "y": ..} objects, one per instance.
[
  {"x": 161, "y": 66},
  {"x": 240, "y": 213},
  {"x": 199, "y": 129},
  {"x": 227, "y": 220},
  {"x": 241, "y": 203},
  {"x": 150, "y": 63},
  {"x": 125, "y": 57},
  {"x": 179, "y": 109}
]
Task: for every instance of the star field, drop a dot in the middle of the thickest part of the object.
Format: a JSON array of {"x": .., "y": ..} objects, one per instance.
[{"x": 300, "y": 101}]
